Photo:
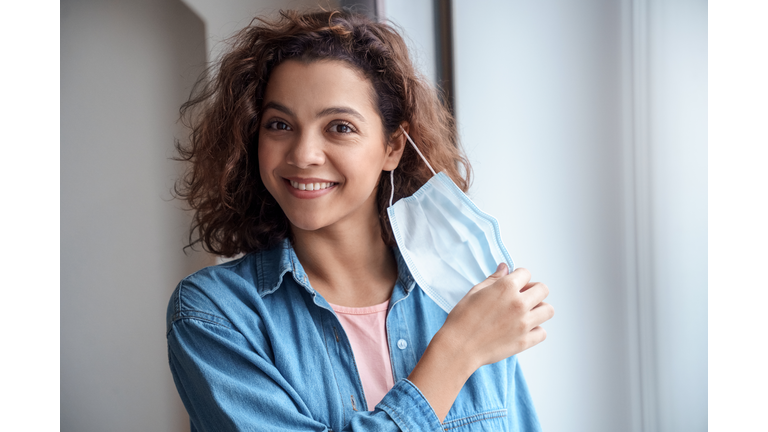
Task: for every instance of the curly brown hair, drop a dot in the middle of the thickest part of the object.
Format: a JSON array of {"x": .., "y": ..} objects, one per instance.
[{"x": 233, "y": 211}]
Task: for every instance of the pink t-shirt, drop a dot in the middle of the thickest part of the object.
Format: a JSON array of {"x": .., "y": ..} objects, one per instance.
[{"x": 366, "y": 329}]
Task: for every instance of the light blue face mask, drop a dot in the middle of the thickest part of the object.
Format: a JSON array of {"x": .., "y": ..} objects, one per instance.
[{"x": 448, "y": 243}]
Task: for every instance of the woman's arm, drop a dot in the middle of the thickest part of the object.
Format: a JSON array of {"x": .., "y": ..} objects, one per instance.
[{"x": 497, "y": 319}]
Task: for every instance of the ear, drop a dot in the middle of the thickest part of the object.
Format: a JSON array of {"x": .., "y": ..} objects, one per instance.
[{"x": 395, "y": 148}]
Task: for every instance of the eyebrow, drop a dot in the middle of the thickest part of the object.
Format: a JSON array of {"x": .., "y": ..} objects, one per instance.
[
  {"x": 325, "y": 112},
  {"x": 279, "y": 107},
  {"x": 341, "y": 110}
]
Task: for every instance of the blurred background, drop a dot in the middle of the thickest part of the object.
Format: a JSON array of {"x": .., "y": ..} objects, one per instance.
[{"x": 585, "y": 122}]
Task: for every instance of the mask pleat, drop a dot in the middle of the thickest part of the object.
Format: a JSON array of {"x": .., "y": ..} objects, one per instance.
[{"x": 447, "y": 242}]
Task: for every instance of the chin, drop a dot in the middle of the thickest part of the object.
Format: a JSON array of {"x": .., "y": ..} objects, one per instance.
[{"x": 306, "y": 223}]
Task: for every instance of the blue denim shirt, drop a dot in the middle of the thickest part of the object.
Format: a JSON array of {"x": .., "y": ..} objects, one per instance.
[{"x": 253, "y": 347}]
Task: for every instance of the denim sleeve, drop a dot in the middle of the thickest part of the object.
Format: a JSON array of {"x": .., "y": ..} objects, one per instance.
[
  {"x": 226, "y": 385},
  {"x": 522, "y": 415}
]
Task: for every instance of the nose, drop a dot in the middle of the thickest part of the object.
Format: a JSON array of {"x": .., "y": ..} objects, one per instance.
[{"x": 307, "y": 151}]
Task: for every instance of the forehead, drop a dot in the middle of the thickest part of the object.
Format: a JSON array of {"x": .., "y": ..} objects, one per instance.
[{"x": 316, "y": 85}]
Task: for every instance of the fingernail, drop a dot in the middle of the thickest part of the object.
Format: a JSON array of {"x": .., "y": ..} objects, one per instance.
[{"x": 501, "y": 266}]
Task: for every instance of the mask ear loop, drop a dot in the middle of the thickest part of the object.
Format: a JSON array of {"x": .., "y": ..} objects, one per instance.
[
  {"x": 392, "y": 173},
  {"x": 417, "y": 150},
  {"x": 392, "y": 182}
]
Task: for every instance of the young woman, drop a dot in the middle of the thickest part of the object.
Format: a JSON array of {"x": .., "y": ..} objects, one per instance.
[{"x": 320, "y": 326}]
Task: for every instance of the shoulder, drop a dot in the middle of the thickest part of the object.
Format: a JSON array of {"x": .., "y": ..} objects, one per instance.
[{"x": 214, "y": 294}]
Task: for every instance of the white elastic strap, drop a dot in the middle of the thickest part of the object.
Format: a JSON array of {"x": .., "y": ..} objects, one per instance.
[
  {"x": 417, "y": 151},
  {"x": 392, "y": 183}
]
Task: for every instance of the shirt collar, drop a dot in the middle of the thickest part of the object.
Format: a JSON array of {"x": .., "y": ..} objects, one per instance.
[
  {"x": 273, "y": 264},
  {"x": 403, "y": 273}
]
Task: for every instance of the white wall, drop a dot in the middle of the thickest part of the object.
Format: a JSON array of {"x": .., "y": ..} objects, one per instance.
[
  {"x": 126, "y": 66},
  {"x": 538, "y": 97},
  {"x": 416, "y": 22},
  {"x": 678, "y": 164},
  {"x": 542, "y": 101}
]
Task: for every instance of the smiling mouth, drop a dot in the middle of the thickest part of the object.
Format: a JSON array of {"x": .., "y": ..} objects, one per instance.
[{"x": 311, "y": 186}]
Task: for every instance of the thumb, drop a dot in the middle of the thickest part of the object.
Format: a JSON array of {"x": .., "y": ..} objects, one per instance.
[{"x": 501, "y": 271}]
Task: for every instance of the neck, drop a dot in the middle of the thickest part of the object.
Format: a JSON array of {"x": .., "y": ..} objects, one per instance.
[{"x": 348, "y": 264}]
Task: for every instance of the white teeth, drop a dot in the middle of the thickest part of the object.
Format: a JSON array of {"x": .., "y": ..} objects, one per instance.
[{"x": 311, "y": 186}]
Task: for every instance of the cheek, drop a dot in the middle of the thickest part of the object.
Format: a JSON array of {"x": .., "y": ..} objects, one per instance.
[
  {"x": 267, "y": 158},
  {"x": 267, "y": 165},
  {"x": 364, "y": 172}
]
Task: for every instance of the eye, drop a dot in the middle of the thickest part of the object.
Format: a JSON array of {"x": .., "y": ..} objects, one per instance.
[
  {"x": 342, "y": 128},
  {"x": 277, "y": 125}
]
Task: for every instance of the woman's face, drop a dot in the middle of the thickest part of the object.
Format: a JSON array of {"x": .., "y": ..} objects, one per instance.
[{"x": 322, "y": 145}]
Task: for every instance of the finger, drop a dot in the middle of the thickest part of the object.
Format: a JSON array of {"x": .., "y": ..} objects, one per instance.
[
  {"x": 527, "y": 286},
  {"x": 535, "y": 294},
  {"x": 536, "y": 336},
  {"x": 519, "y": 278},
  {"x": 541, "y": 313},
  {"x": 501, "y": 271}
]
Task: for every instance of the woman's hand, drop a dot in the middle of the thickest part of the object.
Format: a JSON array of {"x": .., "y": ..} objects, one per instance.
[{"x": 498, "y": 318}]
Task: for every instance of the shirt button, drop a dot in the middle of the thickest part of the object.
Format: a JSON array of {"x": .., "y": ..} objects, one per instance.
[{"x": 402, "y": 344}]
